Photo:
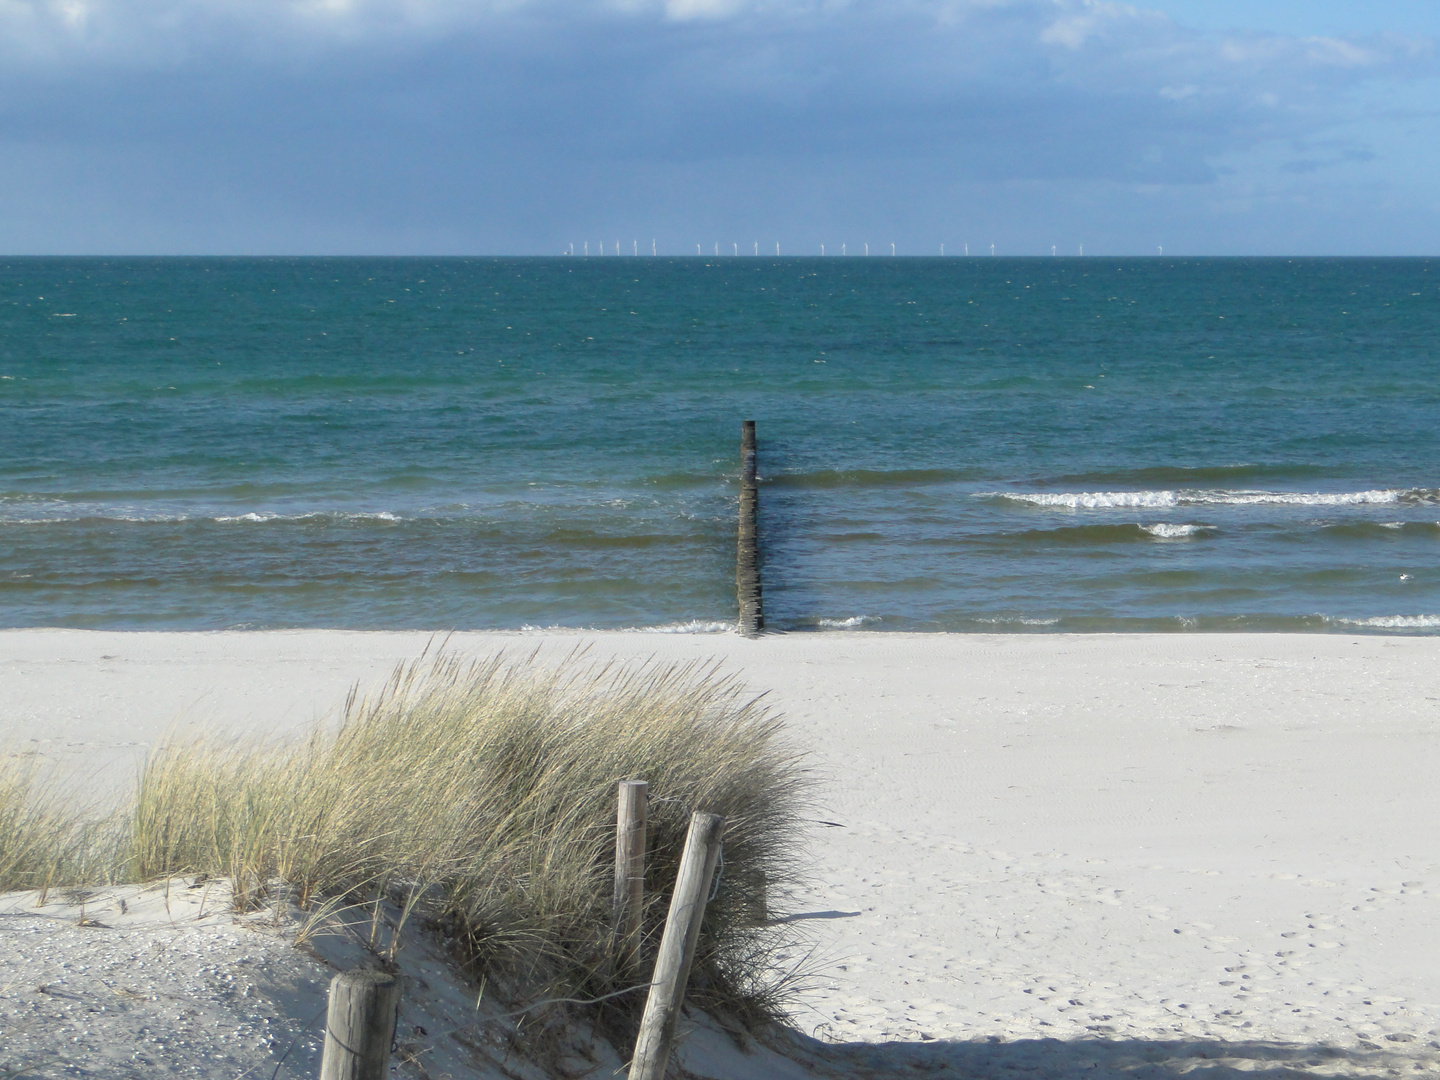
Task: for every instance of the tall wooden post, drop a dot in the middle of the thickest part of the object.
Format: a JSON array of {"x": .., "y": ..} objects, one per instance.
[
  {"x": 747, "y": 555},
  {"x": 677, "y": 947},
  {"x": 360, "y": 1025},
  {"x": 629, "y": 905}
]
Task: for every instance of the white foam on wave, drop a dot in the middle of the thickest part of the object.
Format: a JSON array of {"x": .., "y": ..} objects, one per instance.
[
  {"x": 1101, "y": 500},
  {"x": 1396, "y": 622},
  {"x": 692, "y": 626},
  {"x": 261, "y": 517},
  {"x": 70, "y": 516},
  {"x": 246, "y": 517},
  {"x": 71, "y": 519},
  {"x": 1298, "y": 498},
  {"x": 1018, "y": 621},
  {"x": 1089, "y": 500},
  {"x": 1163, "y": 531},
  {"x": 844, "y": 624}
]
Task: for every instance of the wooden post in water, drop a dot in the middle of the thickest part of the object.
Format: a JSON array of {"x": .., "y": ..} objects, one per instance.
[
  {"x": 677, "y": 947},
  {"x": 360, "y": 1025},
  {"x": 629, "y": 905},
  {"x": 747, "y": 555}
]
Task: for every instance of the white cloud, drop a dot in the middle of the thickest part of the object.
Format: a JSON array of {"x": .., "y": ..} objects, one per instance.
[
  {"x": 1079, "y": 22},
  {"x": 311, "y": 96},
  {"x": 1341, "y": 53},
  {"x": 1014, "y": 87},
  {"x": 682, "y": 10}
]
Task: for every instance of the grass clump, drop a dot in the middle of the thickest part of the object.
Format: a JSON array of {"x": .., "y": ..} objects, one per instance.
[
  {"x": 44, "y": 843},
  {"x": 480, "y": 795}
]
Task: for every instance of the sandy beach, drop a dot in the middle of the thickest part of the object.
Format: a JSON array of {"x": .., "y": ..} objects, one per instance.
[{"x": 1056, "y": 852}]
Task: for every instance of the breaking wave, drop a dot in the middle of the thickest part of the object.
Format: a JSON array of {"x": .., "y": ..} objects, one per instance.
[
  {"x": 1163, "y": 531},
  {"x": 852, "y": 623},
  {"x": 1104, "y": 500},
  {"x": 1016, "y": 620},
  {"x": 690, "y": 626},
  {"x": 263, "y": 518},
  {"x": 122, "y": 517},
  {"x": 866, "y": 478},
  {"x": 1395, "y": 622}
]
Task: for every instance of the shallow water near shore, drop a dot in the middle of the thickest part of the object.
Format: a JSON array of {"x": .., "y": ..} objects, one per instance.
[{"x": 945, "y": 444}]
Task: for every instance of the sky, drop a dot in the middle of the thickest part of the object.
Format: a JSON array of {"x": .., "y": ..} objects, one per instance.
[{"x": 521, "y": 127}]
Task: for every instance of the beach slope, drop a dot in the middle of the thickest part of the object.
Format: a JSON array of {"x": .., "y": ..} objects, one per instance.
[{"x": 1055, "y": 851}]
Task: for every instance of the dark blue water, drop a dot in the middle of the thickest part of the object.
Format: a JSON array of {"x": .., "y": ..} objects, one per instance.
[{"x": 945, "y": 444}]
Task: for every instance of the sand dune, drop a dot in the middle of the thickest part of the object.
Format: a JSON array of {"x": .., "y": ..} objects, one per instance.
[{"x": 1058, "y": 852}]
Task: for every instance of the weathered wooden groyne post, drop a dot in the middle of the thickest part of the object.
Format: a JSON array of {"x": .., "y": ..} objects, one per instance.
[{"x": 747, "y": 555}]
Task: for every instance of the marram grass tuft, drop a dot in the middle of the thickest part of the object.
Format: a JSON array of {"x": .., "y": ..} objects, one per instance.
[{"x": 479, "y": 796}]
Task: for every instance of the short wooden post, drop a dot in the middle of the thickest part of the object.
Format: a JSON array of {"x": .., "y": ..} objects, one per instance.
[
  {"x": 747, "y": 555},
  {"x": 629, "y": 905},
  {"x": 360, "y": 1025},
  {"x": 677, "y": 947}
]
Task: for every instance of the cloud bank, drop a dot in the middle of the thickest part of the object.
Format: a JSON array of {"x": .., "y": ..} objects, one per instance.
[{"x": 440, "y": 124}]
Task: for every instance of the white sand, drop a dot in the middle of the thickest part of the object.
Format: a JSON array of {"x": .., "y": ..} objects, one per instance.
[{"x": 1053, "y": 852}]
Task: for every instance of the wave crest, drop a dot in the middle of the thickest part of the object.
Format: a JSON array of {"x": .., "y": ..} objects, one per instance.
[
  {"x": 866, "y": 478},
  {"x": 1396, "y": 622},
  {"x": 1092, "y": 500},
  {"x": 852, "y": 623},
  {"x": 1164, "y": 531},
  {"x": 1104, "y": 500}
]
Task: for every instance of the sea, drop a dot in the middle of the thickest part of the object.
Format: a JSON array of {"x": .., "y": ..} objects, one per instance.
[{"x": 1033, "y": 445}]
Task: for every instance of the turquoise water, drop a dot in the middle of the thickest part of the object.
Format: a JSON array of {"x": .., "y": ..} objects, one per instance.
[{"x": 945, "y": 444}]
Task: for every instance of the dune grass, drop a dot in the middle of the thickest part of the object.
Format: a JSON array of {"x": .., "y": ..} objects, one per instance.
[{"x": 479, "y": 795}]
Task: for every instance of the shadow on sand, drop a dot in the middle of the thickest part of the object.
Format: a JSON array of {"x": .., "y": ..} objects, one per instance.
[{"x": 1132, "y": 1059}]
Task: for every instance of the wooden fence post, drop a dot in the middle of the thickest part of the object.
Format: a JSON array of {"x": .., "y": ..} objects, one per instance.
[
  {"x": 747, "y": 555},
  {"x": 360, "y": 1025},
  {"x": 629, "y": 906},
  {"x": 677, "y": 947}
]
